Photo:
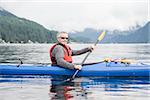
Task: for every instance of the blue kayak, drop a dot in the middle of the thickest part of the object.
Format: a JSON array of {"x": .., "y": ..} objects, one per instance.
[{"x": 101, "y": 69}]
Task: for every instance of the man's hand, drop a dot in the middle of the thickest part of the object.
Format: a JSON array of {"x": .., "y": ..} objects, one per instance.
[
  {"x": 91, "y": 48},
  {"x": 78, "y": 67}
]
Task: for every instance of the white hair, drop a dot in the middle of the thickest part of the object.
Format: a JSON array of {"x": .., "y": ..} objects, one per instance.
[{"x": 59, "y": 34}]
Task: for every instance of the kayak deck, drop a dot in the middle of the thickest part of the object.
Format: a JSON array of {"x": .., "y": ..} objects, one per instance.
[{"x": 98, "y": 69}]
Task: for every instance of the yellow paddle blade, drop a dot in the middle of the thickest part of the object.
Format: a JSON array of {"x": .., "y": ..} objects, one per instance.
[
  {"x": 101, "y": 36},
  {"x": 108, "y": 59},
  {"x": 124, "y": 60}
]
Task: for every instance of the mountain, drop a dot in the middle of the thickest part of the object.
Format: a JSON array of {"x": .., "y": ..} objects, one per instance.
[
  {"x": 3, "y": 12},
  {"x": 139, "y": 35},
  {"x": 14, "y": 29},
  {"x": 88, "y": 35},
  {"x": 136, "y": 34}
]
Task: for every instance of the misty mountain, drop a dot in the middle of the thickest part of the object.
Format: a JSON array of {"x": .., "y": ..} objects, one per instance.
[
  {"x": 136, "y": 34},
  {"x": 3, "y": 12},
  {"x": 14, "y": 29}
]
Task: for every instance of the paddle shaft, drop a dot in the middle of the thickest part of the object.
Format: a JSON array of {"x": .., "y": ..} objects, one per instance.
[
  {"x": 84, "y": 60},
  {"x": 101, "y": 36}
]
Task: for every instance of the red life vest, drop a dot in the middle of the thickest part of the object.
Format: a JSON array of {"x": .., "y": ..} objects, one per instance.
[{"x": 67, "y": 53}]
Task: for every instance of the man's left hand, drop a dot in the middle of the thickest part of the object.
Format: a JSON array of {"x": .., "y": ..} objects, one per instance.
[{"x": 91, "y": 48}]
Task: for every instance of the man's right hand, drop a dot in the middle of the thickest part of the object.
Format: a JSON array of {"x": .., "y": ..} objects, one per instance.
[{"x": 78, "y": 67}]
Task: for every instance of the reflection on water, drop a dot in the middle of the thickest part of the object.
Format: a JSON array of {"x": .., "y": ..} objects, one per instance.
[
  {"x": 91, "y": 88},
  {"x": 95, "y": 88},
  {"x": 31, "y": 53},
  {"x": 80, "y": 89}
]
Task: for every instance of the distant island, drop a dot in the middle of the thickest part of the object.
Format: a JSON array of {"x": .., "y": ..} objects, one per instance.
[{"x": 14, "y": 29}]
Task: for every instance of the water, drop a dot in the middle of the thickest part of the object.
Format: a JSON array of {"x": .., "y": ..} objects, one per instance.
[{"x": 83, "y": 88}]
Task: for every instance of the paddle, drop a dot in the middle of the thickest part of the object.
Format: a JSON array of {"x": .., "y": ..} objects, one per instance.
[{"x": 101, "y": 36}]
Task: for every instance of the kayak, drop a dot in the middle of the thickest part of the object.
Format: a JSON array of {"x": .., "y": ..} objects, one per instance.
[{"x": 102, "y": 69}]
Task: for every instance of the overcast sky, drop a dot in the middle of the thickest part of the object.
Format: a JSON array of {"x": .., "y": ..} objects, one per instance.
[{"x": 75, "y": 15}]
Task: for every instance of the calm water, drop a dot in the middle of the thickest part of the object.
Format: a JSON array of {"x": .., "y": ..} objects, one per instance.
[{"x": 83, "y": 88}]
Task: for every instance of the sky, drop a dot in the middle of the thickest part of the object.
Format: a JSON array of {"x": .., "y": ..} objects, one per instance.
[{"x": 76, "y": 15}]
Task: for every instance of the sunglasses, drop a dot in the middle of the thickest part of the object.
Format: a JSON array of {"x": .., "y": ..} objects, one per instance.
[{"x": 64, "y": 38}]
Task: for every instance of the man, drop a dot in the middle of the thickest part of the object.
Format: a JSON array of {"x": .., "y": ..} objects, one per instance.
[{"x": 61, "y": 54}]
